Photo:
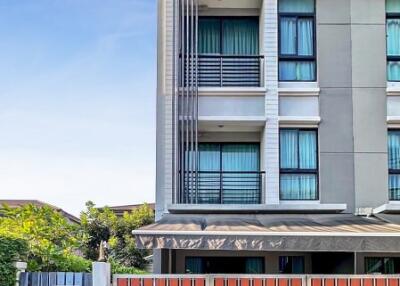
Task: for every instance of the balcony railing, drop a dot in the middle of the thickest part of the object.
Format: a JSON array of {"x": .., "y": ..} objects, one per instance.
[
  {"x": 227, "y": 71},
  {"x": 216, "y": 187}
]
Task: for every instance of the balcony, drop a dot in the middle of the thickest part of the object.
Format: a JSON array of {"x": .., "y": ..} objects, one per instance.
[
  {"x": 228, "y": 70},
  {"x": 223, "y": 187}
]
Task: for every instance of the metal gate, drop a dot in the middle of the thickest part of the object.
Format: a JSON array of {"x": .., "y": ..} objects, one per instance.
[{"x": 55, "y": 279}]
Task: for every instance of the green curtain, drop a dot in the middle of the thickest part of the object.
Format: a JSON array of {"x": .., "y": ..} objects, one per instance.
[
  {"x": 209, "y": 41},
  {"x": 373, "y": 265},
  {"x": 194, "y": 265},
  {"x": 254, "y": 265},
  {"x": 240, "y": 36},
  {"x": 393, "y": 6}
]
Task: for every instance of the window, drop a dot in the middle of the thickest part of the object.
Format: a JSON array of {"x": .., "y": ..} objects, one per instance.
[
  {"x": 228, "y": 35},
  {"x": 298, "y": 164},
  {"x": 291, "y": 264},
  {"x": 383, "y": 265},
  {"x": 393, "y": 39},
  {"x": 297, "y": 40},
  {"x": 394, "y": 164},
  {"x": 236, "y": 265},
  {"x": 229, "y": 173}
]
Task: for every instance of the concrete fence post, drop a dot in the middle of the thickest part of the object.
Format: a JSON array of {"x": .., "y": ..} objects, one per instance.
[
  {"x": 21, "y": 267},
  {"x": 101, "y": 274}
]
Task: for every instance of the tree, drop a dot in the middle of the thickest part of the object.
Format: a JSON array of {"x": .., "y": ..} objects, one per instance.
[
  {"x": 53, "y": 243},
  {"x": 103, "y": 225}
]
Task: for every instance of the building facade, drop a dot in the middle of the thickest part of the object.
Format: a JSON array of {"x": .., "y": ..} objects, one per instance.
[{"x": 278, "y": 137}]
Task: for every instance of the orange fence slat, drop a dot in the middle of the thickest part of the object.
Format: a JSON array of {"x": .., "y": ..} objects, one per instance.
[
  {"x": 295, "y": 282},
  {"x": 232, "y": 281},
  {"x": 122, "y": 282},
  {"x": 219, "y": 281},
  {"x": 173, "y": 282},
  {"x": 380, "y": 282},
  {"x": 342, "y": 282},
  {"x": 200, "y": 282},
  {"x": 186, "y": 282},
  {"x": 393, "y": 282},
  {"x": 147, "y": 282},
  {"x": 270, "y": 282},
  {"x": 135, "y": 282},
  {"x": 257, "y": 282},
  {"x": 161, "y": 282},
  {"x": 283, "y": 282},
  {"x": 355, "y": 282},
  {"x": 244, "y": 282},
  {"x": 329, "y": 282},
  {"x": 368, "y": 282},
  {"x": 316, "y": 282}
]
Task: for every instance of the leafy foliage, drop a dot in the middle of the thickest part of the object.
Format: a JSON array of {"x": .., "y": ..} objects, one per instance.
[
  {"x": 52, "y": 241},
  {"x": 103, "y": 225},
  {"x": 11, "y": 250}
]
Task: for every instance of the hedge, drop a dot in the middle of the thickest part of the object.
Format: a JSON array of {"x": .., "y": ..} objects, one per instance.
[{"x": 11, "y": 250}]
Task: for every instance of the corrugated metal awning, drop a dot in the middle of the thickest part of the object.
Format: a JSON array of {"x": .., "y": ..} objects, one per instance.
[{"x": 292, "y": 232}]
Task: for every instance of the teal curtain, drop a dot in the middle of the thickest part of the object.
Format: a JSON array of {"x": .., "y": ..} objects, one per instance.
[
  {"x": 298, "y": 186},
  {"x": 296, "y": 70},
  {"x": 298, "y": 264},
  {"x": 254, "y": 265},
  {"x": 209, "y": 161},
  {"x": 307, "y": 150},
  {"x": 209, "y": 157},
  {"x": 209, "y": 36},
  {"x": 194, "y": 265},
  {"x": 296, "y": 6},
  {"x": 388, "y": 266},
  {"x": 240, "y": 36},
  {"x": 305, "y": 39},
  {"x": 393, "y": 6},
  {"x": 240, "y": 188},
  {"x": 394, "y": 149},
  {"x": 394, "y": 187},
  {"x": 393, "y": 71},
  {"x": 288, "y": 149},
  {"x": 288, "y": 35}
]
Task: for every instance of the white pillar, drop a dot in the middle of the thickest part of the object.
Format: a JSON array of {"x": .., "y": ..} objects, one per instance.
[
  {"x": 101, "y": 274},
  {"x": 21, "y": 267}
]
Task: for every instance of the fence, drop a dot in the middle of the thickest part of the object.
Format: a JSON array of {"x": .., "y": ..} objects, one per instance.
[
  {"x": 55, "y": 279},
  {"x": 256, "y": 280}
]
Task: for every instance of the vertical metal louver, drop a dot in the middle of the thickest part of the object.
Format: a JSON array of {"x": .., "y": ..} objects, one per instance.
[{"x": 185, "y": 101}]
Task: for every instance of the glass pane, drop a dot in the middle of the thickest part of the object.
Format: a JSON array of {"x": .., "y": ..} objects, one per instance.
[
  {"x": 291, "y": 264},
  {"x": 298, "y": 264},
  {"x": 194, "y": 265},
  {"x": 239, "y": 187},
  {"x": 254, "y": 265},
  {"x": 209, "y": 36},
  {"x": 240, "y": 36},
  {"x": 288, "y": 36},
  {"x": 388, "y": 266},
  {"x": 308, "y": 149},
  {"x": 298, "y": 186},
  {"x": 296, "y": 70},
  {"x": 393, "y": 6},
  {"x": 209, "y": 157},
  {"x": 393, "y": 37},
  {"x": 373, "y": 265},
  {"x": 393, "y": 71},
  {"x": 289, "y": 149},
  {"x": 296, "y": 6},
  {"x": 394, "y": 150},
  {"x": 394, "y": 187},
  {"x": 306, "y": 37}
]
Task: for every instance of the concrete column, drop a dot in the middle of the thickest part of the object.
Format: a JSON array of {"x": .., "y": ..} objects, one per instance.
[
  {"x": 21, "y": 267},
  {"x": 101, "y": 272}
]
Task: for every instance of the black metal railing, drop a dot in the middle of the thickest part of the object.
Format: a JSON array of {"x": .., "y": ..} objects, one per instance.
[
  {"x": 227, "y": 71},
  {"x": 223, "y": 187}
]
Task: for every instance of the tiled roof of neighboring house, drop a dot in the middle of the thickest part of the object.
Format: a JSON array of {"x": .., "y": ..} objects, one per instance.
[
  {"x": 119, "y": 210},
  {"x": 19, "y": 203}
]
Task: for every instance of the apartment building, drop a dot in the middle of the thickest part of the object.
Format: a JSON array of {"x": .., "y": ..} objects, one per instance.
[{"x": 278, "y": 137}]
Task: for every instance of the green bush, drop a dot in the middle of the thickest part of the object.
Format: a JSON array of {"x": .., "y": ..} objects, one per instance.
[
  {"x": 118, "y": 268},
  {"x": 11, "y": 250}
]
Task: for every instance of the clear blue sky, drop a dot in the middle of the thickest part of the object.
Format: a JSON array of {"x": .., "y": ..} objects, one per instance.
[{"x": 77, "y": 101}]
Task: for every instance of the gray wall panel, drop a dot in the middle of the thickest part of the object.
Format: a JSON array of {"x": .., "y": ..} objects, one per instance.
[{"x": 333, "y": 12}]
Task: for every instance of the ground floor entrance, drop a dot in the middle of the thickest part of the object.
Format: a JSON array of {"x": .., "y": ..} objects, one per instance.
[{"x": 253, "y": 262}]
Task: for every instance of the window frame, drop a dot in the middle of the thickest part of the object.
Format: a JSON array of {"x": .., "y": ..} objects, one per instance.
[
  {"x": 298, "y": 58},
  {"x": 299, "y": 171},
  {"x": 382, "y": 259},
  {"x": 392, "y": 171},
  {"x": 221, "y": 32},
  {"x": 388, "y": 57}
]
